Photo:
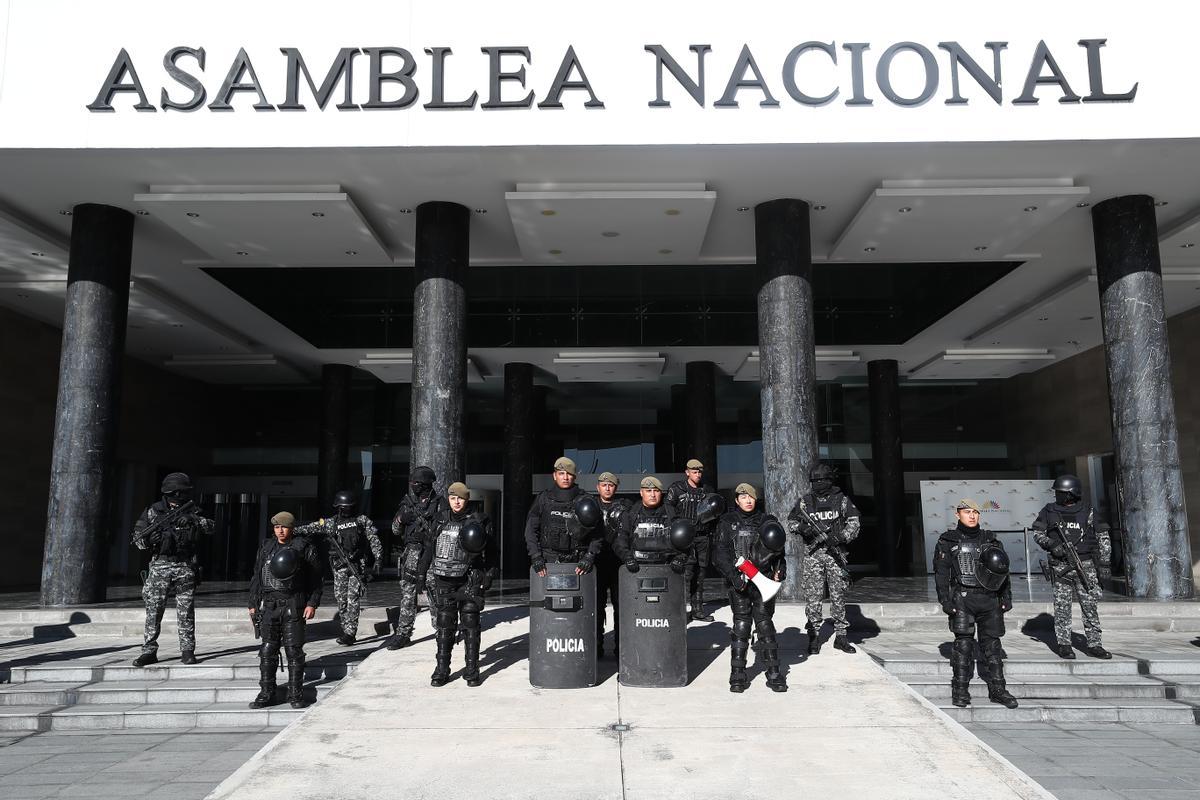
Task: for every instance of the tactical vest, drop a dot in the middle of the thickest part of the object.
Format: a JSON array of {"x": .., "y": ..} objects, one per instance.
[
  {"x": 612, "y": 513},
  {"x": 966, "y": 556},
  {"x": 450, "y": 560},
  {"x": 687, "y": 503},
  {"x": 826, "y": 510},
  {"x": 418, "y": 509},
  {"x": 1075, "y": 524},
  {"x": 651, "y": 535},
  {"x": 745, "y": 535},
  {"x": 560, "y": 531},
  {"x": 178, "y": 543},
  {"x": 350, "y": 536},
  {"x": 276, "y": 585}
]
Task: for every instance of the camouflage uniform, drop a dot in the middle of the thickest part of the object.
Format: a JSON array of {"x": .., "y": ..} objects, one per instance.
[
  {"x": 413, "y": 514},
  {"x": 360, "y": 542},
  {"x": 820, "y": 568},
  {"x": 1091, "y": 541},
  {"x": 172, "y": 569}
]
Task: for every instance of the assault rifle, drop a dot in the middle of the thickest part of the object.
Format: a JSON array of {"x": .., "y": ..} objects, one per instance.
[
  {"x": 337, "y": 545},
  {"x": 154, "y": 532},
  {"x": 822, "y": 539},
  {"x": 1073, "y": 562}
]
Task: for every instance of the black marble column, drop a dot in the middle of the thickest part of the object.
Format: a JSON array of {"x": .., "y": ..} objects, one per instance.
[
  {"x": 335, "y": 434},
  {"x": 1145, "y": 437},
  {"x": 702, "y": 416},
  {"x": 440, "y": 339},
  {"x": 518, "y": 464},
  {"x": 89, "y": 387},
  {"x": 787, "y": 362},
  {"x": 681, "y": 447},
  {"x": 887, "y": 462}
]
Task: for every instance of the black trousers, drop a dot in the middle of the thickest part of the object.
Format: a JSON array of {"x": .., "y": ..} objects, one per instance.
[
  {"x": 976, "y": 613},
  {"x": 606, "y": 591},
  {"x": 282, "y": 622}
]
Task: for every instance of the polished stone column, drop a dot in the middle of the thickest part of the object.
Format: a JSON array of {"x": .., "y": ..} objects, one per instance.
[
  {"x": 89, "y": 387},
  {"x": 1145, "y": 437},
  {"x": 518, "y": 464},
  {"x": 439, "y": 385},
  {"x": 681, "y": 447},
  {"x": 787, "y": 362},
  {"x": 887, "y": 462},
  {"x": 702, "y": 416},
  {"x": 335, "y": 434}
]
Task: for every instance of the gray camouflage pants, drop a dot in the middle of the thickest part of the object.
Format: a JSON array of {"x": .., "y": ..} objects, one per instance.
[
  {"x": 162, "y": 578},
  {"x": 819, "y": 569},
  {"x": 1067, "y": 590},
  {"x": 408, "y": 608},
  {"x": 349, "y": 592}
]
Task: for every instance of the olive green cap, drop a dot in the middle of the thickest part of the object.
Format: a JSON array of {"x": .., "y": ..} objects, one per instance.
[
  {"x": 284, "y": 518},
  {"x": 608, "y": 477},
  {"x": 566, "y": 465},
  {"x": 459, "y": 489},
  {"x": 965, "y": 503},
  {"x": 651, "y": 482},
  {"x": 695, "y": 463},
  {"x": 745, "y": 488}
]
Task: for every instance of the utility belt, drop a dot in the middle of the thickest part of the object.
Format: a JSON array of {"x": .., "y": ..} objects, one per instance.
[
  {"x": 173, "y": 559},
  {"x": 281, "y": 599},
  {"x": 958, "y": 587},
  {"x": 652, "y": 556},
  {"x": 562, "y": 556}
]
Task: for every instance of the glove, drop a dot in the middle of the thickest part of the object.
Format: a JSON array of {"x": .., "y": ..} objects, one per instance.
[
  {"x": 1059, "y": 552},
  {"x": 420, "y": 582},
  {"x": 632, "y": 565},
  {"x": 1005, "y": 607},
  {"x": 585, "y": 563},
  {"x": 485, "y": 582},
  {"x": 678, "y": 565},
  {"x": 539, "y": 565},
  {"x": 741, "y": 583},
  {"x": 410, "y": 576},
  {"x": 948, "y": 608}
]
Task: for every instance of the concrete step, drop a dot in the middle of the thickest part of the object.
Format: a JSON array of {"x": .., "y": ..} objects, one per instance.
[
  {"x": 139, "y": 692},
  {"x": 205, "y": 629},
  {"x": 1081, "y": 710},
  {"x": 907, "y": 668},
  {"x": 1015, "y": 621},
  {"x": 136, "y": 715},
  {"x": 1052, "y": 687},
  {"x": 81, "y": 673},
  {"x": 136, "y": 612}
]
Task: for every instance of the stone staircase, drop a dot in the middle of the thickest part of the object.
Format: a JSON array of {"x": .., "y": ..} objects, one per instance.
[
  {"x": 71, "y": 670},
  {"x": 1154, "y": 675}
]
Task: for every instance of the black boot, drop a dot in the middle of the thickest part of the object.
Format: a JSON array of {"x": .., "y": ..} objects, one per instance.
[
  {"x": 962, "y": 665},
  {"x": 295, "y": 690},
  {"x": 1098, "y": 652},
  {"x": 738, "y": 681},
  {"x": 145, "y": 660},
  {"x": 397, "y": 641},
  {"x": 840, "y": 643},
  {"x": 959, "y": 695},
  {"x": 187, "y": 657},
  {"x": 997, "y": 689},
  {"x": 814, "y": 641},
  {"x": 266, "y": 683},
  {"x": 770, "y": 653},
  {"x": 698, "y": 608},
  {"x": 441, "y": 673},
  {"x": 1065, "y": 651},
  {"x": 471, "y": 656}
]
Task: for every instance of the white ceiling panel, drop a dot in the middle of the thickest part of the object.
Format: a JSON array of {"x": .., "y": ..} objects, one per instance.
[
  {"x": 398, "y": 367},
  {"x": 606, "y": 224},
  {"x": 608, "y": 367},
  {"x": 243, "y": 225},
  {"x": 243, "y": 368},
  {"x": 981, "y": 363},
  {"x": 953, "y": 220}
]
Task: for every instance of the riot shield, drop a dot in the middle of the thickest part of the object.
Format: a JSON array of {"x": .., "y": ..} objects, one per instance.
[
  {"x": 653, "y": 627},
  {"x": 562, "y": 628}
]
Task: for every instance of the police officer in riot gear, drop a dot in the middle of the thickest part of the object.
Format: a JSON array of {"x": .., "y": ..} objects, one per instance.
[
  {"x": 353, "y": 549},
  {"x": 607, "y": 563},
  {"x": 457, "y": 561},
  {"x": 554, "y": 530},
  {"x": 173, "y": 566},
  {"x": 1071, "y": 517},
  {"x": 285, "y": 590},
  {"x": 685, "y": 496},
  {"x": 420, "y": 506},
  {"x": 825, "y": 561},
  {"x": 746, "y": 532},
  {"x": 644, "y": 533},
  {"x": 970, "y": 570}
]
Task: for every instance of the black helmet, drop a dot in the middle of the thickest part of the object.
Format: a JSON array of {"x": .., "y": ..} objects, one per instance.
[
  {"x": 177, "y": 487},
  {"x": 344, "y": 500},
  {"x": 284, "y": 563},
  {"x": 1069, "y": 484},
  {"x": 588, "y": 512},
  {"x": 422, "y": 478},
  {"x": 992, "y": 567},
  {"x": 472, "y": 537},
  {"x": 820, "y": 477},
  {"x": 683, "y": 533},
  {"x": 711, "y": 507},
  {"x": 773, "y": 535}
]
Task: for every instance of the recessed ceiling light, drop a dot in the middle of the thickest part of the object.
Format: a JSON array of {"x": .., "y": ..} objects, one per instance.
[
  {"x": 66, "y": 212},
  {"x": 37, "y": 255},
  {"x": 1031, "y": 208},
  {"x": 1160, "y": 203},
  {"x": 819, "y": 207},
  {"x": 556, "y": 252},
  {"x": 351, "y": 252},
  {"x": 743, "y": 208},
  {"x": 1083, "y": 204},
  {"x": 548, "y": 212},
  {"x": 242, "y": 253},
  {"x": 192, "y": 214},
  {"x": 1085, "y": 319},
  {"x": 905, "y": 209},
  {"x": 318, "y": 213},
  {"x": 610, "y": 234},
  {"x": 481, "y": 211},
  {"x": 868, "y": 249},
  {"x": 981, "y": 248},
  {"x": 1186, "y": 245},
  {"x": 1042, "y": 319},
  {"x": 176, "y": 324},
  {"x": 665, "y": 251},
  {"x": 406, "y": 211},
  {"x": 143, "y": 212},
  {"x": 672, "y": 212}
]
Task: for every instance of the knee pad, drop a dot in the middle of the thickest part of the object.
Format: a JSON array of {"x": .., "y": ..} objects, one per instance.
[
  {"x": 741, "y": 629},
  {"x": 269, "y": 650},
  {"x": 294, "y": 654},
  {"x": 470, "y": 620},
  {"x": 962, "y": 626},
  {"x": 964, "y": 646},
  {"x": 991, "y": 648},
  {"x": 765, "y": 627},
  {"x": 447, "y": 619}
]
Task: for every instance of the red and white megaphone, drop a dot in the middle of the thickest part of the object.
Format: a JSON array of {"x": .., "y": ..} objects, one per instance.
[{"x": 766, "y": 587}]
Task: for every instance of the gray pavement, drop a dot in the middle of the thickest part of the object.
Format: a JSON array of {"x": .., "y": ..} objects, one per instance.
[{"x": 180, "y": 765}]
